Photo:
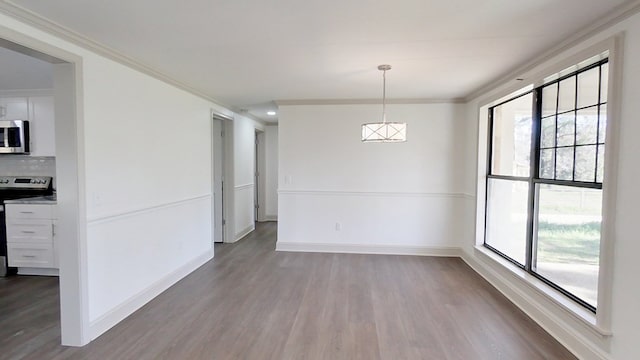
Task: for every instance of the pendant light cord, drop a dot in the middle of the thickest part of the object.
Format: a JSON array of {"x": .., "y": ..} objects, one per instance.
[{"x": 384, "y": 96}]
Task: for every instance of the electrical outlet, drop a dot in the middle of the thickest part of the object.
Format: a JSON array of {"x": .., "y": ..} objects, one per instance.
[{"x": 338, "y": 226}]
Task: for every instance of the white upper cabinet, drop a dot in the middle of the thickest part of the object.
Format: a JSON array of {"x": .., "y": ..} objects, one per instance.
[
  {"x": 14, "y": 108},
  {"x": 39, "y": 110},
  {"x": 42, "y": 126}
]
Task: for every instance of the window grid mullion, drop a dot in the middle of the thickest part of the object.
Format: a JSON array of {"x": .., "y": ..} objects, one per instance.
[
  {"x": 575, "y": 130},
  {"x": 555, "y": 138},
  {"x": 595, "y": 173},
  {"x": 536, "y": 131},
  {"x": 572, "y": 110}
]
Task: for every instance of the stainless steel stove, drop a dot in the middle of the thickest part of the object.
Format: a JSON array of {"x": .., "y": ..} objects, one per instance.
[{"x": 18, "y": 187}]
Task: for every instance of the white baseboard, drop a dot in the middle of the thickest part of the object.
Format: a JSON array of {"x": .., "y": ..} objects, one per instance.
[
  {"x": 539, "y": 311},
  {"x": 113, "y": 317},
  {"x": 369, "y": 249},
  {"x": 271, "y": 217}
]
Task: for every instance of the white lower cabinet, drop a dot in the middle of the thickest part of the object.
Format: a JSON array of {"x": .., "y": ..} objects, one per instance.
[
  {"x": 30, "y": 238},
  {"x": 31, "y": 255}
]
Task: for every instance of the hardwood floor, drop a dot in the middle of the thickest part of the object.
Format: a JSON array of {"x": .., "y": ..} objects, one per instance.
[{"x": 251, "y": 302}]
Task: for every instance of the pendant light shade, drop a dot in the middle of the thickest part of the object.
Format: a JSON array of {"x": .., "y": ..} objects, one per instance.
[{"x": 384, "y": 131}]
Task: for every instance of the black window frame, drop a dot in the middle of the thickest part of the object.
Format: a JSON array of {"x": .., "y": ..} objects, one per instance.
[{"x": 534, "y": 180}]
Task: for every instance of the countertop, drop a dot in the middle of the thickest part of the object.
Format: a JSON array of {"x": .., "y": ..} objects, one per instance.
[{"x": 46, "y": 200}]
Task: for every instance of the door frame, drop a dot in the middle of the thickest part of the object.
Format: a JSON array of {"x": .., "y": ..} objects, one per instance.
[
  {"x": 71, "y": 231},
  {"x": 259, "y": 176},
  {"x": 218, "y": 151},
  {"x": 225, "y": 216}
]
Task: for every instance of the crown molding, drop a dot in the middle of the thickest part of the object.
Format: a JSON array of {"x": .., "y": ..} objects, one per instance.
[
  {"x": 26, "y": 92},
  {"x": 31, "y": 18},
  {"x": 294, "y": 102},
  {"x": 617, "y": 15}
]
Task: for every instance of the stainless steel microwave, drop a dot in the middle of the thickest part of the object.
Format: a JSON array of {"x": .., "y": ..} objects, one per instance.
[{"x": 14, "y": 137}]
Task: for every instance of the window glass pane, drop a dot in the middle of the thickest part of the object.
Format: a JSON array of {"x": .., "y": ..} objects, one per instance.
[
  {"x": 588, "y": 87},
  {"x": 568, "y": 239},
  {"x": 511, "y": 143},
  {"x": 587, "y": 126},
  {"x": 585, "y": 163},
  {"x": 604, "y": 84},
  {"x": 507, "y": 217},
  {"x": 548, "y": 133},
  {"x": 600, "y": 174},
  {"x": 547, "y": 158},
  {"x": 549, "y": 100},
  {"x": 567, "y": 97},
  {"x": 564, "y": 163},
  {"x": 566, "y": 130},
  {"x": 602, "y": 136}
]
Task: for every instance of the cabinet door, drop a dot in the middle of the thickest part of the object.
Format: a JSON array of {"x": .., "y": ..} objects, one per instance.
[
  {"x": 14, "y": 108},
  {"x": 42, "y": 126},
  {"x": 56, "y": 247}
]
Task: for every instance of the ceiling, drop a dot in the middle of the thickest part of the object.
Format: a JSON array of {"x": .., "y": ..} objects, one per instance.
[{"x": 248, "y": 53}]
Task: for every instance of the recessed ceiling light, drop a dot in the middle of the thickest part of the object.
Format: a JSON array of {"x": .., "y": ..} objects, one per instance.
[{"x": 271, "y": 113}]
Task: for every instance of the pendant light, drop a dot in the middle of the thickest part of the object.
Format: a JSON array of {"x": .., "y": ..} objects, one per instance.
[{"x": 384, "y": 131}]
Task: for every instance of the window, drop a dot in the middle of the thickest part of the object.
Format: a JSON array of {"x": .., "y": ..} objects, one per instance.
[{"x": 544, "y": 182}]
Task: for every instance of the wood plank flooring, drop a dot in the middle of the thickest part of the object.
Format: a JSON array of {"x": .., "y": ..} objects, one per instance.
[{"x": 251, "y": 302}]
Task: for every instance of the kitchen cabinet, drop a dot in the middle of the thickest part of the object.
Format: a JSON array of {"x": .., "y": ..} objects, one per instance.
[
  {"x": 30, "y": 238},
  {"x": 14, "y": 108},
  {"x": 42, "y": 124},
  {"x": 39, "y": 110}
]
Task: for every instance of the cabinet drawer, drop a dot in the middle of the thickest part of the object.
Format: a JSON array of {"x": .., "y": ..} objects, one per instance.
[
  {"x": 29, "y": 211},
  {"x": 29, "y": 230},
  {"x": 30, "y": 255}
]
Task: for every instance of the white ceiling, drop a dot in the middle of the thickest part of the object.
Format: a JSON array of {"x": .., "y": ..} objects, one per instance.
[{"x": 248, "y": 53}]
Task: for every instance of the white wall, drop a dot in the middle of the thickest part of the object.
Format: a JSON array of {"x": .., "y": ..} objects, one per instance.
[
  {"x": 271, "y": 173},
  {"x": 148, "y": 162},
  {"x": 145, "y": 172},
  {"x": 625, "y": 292},
  {"x": 339, "y": 194}
]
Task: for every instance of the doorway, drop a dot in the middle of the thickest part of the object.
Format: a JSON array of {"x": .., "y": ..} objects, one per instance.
[
  {"x": 70, "y": 225},
  {"x": 259, "y": 179},
  {"x": 219, "y": 125}
]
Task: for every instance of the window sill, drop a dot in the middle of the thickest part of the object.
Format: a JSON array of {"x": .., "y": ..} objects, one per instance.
[{"x": 567, "y": 305}]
